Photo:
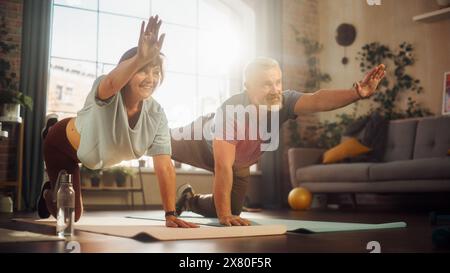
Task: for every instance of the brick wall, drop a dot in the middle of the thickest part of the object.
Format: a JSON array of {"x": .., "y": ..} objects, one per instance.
[
  {"x": 12, "y": 10},
  {"x": 303, "y": 16}
]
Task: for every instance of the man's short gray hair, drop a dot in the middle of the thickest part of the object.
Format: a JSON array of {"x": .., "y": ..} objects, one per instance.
[{"x": 257, "y": 65}]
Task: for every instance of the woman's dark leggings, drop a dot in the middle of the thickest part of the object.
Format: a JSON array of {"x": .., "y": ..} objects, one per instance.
[{"x": 60, "y": 155}]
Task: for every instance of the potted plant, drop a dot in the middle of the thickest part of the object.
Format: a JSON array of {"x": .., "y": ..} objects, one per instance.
[
  {"x": 10, "y": 98},
  {"x": 10, "y": 102},
  {"x": 94, "y": 175},
  {"x": 121, "y": 173}
]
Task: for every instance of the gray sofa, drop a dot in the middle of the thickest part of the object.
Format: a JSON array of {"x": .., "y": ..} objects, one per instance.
[{"x": 415, "y": 160}]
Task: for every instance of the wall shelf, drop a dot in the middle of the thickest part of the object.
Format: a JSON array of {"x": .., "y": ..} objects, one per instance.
[
  {"x": 129, "y": 190},
  {"x": 17, "y": 185},
  {"x": 433, "y": 16}
]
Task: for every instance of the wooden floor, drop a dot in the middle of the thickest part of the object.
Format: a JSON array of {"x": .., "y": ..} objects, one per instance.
[{"x": 415, "y": 238}]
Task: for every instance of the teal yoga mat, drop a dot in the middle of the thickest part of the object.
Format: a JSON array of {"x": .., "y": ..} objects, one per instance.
[{"x": 297, "y": 226}]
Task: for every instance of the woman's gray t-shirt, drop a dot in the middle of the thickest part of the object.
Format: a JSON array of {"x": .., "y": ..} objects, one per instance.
[{"x": 106, "y": 137}]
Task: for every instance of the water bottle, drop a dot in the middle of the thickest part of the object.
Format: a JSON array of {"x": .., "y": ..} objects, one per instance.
[{"x": 65, "y": 205}]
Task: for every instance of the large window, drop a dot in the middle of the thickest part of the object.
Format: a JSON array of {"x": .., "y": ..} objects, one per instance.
[{"x": 204, "y": 45}]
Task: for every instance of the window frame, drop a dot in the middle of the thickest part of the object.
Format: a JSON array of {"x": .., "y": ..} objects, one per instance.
[{"x": 237, "y": 8}]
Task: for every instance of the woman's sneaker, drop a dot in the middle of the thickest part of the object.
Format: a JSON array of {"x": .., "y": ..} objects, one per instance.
[
  {"x": 50, "y": 120},
  {"x": 42, "y": 205},
  {"x": 184, "y": 193}
]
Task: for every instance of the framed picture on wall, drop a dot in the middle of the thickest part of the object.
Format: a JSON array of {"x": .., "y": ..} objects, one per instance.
[{"x": 446, "y": 98}]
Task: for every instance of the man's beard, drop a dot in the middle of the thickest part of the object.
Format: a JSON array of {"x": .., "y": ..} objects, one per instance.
[{"x": 274, "y": 103}]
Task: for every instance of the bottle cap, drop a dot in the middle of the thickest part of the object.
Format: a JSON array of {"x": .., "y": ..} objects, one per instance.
[{"x": 66, "y": 178}]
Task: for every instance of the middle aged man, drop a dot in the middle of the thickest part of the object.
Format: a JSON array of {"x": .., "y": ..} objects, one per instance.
[{"x": 228, "y": 146}]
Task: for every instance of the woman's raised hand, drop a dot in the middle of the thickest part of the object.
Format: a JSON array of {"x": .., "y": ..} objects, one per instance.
[{"x": 150, "y": 42}]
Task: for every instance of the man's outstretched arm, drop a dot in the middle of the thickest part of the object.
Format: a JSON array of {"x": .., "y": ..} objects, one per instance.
[{"x": 332, "y": 99}]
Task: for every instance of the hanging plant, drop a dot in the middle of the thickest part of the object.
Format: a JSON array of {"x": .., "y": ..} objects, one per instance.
[{"x": 387, "y": 97}]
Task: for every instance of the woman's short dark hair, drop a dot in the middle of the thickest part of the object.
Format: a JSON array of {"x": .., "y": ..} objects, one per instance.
[{"x": 155, "y": 62}]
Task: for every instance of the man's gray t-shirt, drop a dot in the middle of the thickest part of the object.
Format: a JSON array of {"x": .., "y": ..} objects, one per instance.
[{"x": 248, "y": 150}]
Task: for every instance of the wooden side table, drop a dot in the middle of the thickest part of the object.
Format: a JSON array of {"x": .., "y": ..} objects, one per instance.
[{"x": 16, "y": 184}]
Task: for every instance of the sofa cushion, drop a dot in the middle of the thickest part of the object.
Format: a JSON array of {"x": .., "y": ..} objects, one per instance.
[
  {"x": 349, "y": 148},
  {"x": 432, "y": 137},
  {"x": 400, "y": 140},
  {"x": 350, "y": 172},
  {"x": 426, "y": 168}
]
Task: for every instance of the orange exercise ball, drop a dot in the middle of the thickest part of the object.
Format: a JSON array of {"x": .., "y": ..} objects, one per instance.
[{"x": 300, "y": 198}]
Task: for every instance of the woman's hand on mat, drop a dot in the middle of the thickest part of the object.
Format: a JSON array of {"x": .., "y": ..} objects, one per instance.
[
  {"x": 150, "y": 42},
  {"x": 174, "y": 222},
  {"x": 369, "y": 84},
  {"x": 233, "y": 220}
]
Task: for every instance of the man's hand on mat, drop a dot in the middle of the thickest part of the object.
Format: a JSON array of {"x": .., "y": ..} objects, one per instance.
[
  {"x": 150, "y": 43},
  {"x": 233, "y": 220},
  {"x": 174, "y": 222},
  {"x": 369, "y": 84}
]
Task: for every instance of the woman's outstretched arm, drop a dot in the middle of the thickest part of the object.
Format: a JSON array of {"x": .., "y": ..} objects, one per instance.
[{"x": 149, "y": 46}]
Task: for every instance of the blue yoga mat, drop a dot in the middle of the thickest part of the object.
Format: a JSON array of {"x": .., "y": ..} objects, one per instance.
[{"x": 298, "y": 226}]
